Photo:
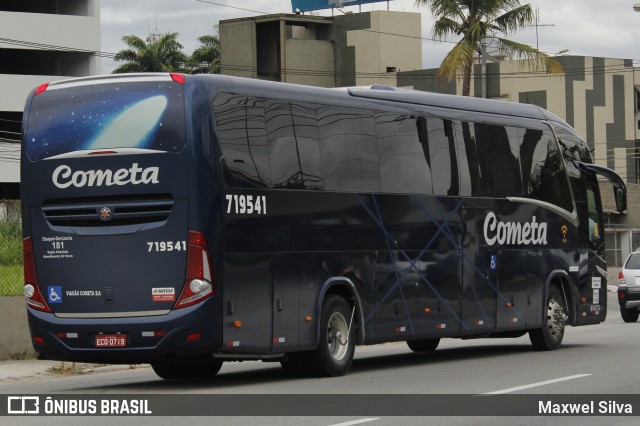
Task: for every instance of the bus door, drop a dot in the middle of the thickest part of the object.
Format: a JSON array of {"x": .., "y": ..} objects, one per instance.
[
  {"x": 479, "y": 269},
  {"x": 596, "y": 289}
]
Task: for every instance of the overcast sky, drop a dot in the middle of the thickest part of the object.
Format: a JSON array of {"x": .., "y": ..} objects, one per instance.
[{"x": 605, "y": 28}]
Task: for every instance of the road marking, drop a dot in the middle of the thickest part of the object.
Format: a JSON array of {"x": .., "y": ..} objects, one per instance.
[
  {"x": 534, "y": 385},
  {"x": 357, "y": 422}
]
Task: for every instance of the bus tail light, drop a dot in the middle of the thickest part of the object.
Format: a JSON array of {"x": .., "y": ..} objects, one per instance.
[
  {"x": 199, "y": 282},
  {"x": 31, "y": 287},
  {"x": 621, "y": 280}
]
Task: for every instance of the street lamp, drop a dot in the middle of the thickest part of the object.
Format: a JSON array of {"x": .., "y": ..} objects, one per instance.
[
  {"x": 566, "y": 50},
  {"x": 636, "y": 7}
]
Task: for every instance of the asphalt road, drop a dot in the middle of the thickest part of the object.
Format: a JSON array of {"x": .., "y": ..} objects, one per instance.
[{"x": 600, "y": 361}]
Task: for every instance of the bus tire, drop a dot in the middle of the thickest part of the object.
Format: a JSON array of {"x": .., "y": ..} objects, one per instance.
[
  {"x": 187, "y": 368},
  {"x": 334, "y": 354},
  {"x": 424, "y": 345},
  {"x": 550, "y": 335},
  {"x": 629, "y": 315}
]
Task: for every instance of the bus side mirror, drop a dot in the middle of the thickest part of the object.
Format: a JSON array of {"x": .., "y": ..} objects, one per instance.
[{"x": 620, "y": 195}]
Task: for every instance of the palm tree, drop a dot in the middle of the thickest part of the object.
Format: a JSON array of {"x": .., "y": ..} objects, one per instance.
[
  {"x": 476, "y": 20},
  {"x": 206, "y": 58},
  {"x": 160, "y": 53}
]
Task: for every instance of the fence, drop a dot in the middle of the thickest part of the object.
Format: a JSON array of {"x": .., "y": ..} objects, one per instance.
[{"x": 10, "y": 249}]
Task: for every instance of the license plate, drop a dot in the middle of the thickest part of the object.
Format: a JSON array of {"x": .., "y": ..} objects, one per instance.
[{"x": 111, "y": 341}]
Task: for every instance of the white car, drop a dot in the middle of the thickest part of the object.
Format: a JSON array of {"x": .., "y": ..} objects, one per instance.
[{"x": 629, "y": 288}]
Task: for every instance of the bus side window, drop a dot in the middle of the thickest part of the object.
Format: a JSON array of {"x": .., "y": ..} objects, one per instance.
[
  {"x": 283, "y": 152},
  {"x": 499, "y": 167},
  {"x": 238, "y": 122},
  {"x": 348, "y": 149},
  {"x": 440, "y": 156},
  {"x": 543, "y": 168},
  {"x": 595, "y": 219},
  {"x": 403, "y": 165},
  {"x": 465, "y": 161},
  {"x": 305, "y": 124}
]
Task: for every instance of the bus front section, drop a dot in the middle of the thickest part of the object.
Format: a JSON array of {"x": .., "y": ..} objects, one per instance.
[{"x": 113, "y": 272}]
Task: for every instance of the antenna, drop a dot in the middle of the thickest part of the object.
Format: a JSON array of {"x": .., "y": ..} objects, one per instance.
[
  {"x": 154, "y": 35},
  {"x": 538, "y": 24}
]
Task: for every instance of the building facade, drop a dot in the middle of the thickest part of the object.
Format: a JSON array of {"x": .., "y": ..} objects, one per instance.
[
  {"x": 346, "y": 50},
  {"x": 40, "y": 41}
]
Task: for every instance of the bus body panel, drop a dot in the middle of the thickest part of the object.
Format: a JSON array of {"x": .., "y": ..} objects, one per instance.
[{"x": 416, "y": 266}]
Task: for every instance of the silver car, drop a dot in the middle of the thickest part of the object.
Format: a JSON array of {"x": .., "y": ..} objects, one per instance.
[{"x": 629, "y": 288}]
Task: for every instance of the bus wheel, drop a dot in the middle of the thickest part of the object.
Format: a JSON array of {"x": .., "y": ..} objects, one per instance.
[
  {"x": 629, "y": 315},
  {"x": 550, "y": 336},
  {"x": 187, "y": 368},
  {"x": 334, "y": 354},
  {"x": 424, "y": 345}
]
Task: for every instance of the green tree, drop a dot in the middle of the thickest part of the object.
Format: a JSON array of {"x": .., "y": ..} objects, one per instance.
[
  {"x": 476, "y": 20},
  {"x": 159, "y": 53},
  {"x": 206, "y": 58}
]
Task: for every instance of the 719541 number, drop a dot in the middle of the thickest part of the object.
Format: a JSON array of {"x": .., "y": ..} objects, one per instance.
[{"x": 246, "y": 204}]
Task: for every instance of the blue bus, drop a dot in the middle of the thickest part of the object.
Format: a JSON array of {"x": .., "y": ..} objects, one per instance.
[{"x": 184, "y": 221}]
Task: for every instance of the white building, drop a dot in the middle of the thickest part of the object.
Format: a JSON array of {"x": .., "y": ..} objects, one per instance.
[{"x": 40, "y": 41}]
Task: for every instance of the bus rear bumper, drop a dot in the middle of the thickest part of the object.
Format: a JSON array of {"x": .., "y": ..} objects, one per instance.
[{"x": 186, "y": 332}]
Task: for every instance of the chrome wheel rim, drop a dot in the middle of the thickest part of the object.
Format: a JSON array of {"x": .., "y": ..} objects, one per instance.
[
  {"x": 337, "y": 336},
  {"x": 555, "y": 317}
]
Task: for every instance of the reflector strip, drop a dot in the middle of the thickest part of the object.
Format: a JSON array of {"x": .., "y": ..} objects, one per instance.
[
  {"x": 233, "y": 344},
  {"x": 401, "y": 329},
  {"x": 278, "y": 340},
  {"x": 148, "y": 334},
  {"x": 441, "y": 326}
]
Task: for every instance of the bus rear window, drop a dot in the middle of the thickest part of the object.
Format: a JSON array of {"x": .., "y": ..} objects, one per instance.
[{"x": 141, "y": 115}]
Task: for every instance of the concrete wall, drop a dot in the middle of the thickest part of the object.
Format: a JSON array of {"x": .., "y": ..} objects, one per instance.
[
  {"x": 314, "y": 55},
  {"x": 366, "y": 44},
  {"x": 238, "y": 48},
  {"x": 14, "y": 333}
]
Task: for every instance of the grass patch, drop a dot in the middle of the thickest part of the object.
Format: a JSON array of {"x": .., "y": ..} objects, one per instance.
[
  {"x": 23, "y": 356},
  {"x": 11, "y": 280}
]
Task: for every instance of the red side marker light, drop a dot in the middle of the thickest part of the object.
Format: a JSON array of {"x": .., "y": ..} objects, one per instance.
[
  {"x": 41, "y": 89},
  {"x": 194, "y": 337},
  {"x": 178, "y": 78},
  {"x": 39, "y": 340}
]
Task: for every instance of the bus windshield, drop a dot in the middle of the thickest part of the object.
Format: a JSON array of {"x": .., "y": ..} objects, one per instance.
[{"x": 141, "y": 115}]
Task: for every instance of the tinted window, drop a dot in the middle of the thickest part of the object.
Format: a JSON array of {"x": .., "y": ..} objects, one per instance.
[
  {"x": 439, "y": 144},
  {"x": 105, "y": 116},
  {"x": 403, "y": 149},
  {"x": 543, "y": 170},
  {"x": 283, "y": 151},
  {"x": 573, "y": 148},
  {"x": 348, "y": 149},
  {"x": 242, "y": 136},
  {"x": 305, "y": 123},
  {"x": 498, "y": 162}
]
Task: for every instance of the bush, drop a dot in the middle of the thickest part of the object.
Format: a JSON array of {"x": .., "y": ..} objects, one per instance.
[{"x": 11, "y": 280}]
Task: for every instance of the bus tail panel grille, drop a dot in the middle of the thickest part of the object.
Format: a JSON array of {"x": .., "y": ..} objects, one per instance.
[{"x": 107, "y": 212}]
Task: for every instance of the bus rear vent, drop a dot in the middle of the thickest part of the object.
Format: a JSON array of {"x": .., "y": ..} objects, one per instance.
[{"x": 93, "y": 212}]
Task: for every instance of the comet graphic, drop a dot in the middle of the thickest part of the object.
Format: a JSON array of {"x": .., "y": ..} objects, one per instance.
[{"x": 133, "y": 126}]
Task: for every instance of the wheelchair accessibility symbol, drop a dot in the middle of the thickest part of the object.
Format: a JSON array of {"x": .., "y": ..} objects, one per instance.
[
  {"x": 54, "y": 294},
  {"x": 494, "y": 262}
]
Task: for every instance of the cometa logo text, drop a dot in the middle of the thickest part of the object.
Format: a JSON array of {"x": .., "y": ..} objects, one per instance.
[
  {"x": 64, "y": 177},
  {"x": 528, "y": 233}
]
